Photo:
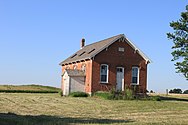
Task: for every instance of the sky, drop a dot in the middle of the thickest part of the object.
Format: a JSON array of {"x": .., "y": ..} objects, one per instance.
[{"x": 36, "y": 35}]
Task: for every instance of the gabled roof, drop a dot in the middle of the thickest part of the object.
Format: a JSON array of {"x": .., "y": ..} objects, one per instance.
[{"x": 91, "y": 50}]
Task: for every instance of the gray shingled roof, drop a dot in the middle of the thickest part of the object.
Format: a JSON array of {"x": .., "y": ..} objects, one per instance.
[{"x": 89, "y": 51}]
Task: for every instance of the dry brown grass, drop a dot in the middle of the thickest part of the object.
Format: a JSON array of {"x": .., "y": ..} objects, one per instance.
[
  {"x": 182, "y": 96},
  {"x": 53, "y": 109}
]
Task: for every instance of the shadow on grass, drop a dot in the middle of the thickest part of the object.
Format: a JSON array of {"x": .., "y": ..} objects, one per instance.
[
  {"x": 14, "y": 119},
  {"x": 166, "y": 98}
]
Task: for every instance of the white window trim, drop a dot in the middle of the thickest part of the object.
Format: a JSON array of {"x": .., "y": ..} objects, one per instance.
[
  {"x": 107, "y": 73},
  {"x": 137, "y": 75}
]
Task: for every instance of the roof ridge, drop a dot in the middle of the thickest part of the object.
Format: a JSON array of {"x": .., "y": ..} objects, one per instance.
[{"x": 103, "y": 40}]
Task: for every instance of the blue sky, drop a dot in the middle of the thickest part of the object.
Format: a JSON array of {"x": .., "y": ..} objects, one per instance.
[{"x": 36, "y": 35}]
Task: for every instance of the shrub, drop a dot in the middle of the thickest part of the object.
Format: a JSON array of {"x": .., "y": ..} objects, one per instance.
[
  {"x": 177, "y": 91},
  {"x": 60, "y": 93},
  {"x": 151, "y": 91},
  {"x": 154, "y": 98},
  {"x": 121, "y": 95},
  {"x": 150, "y": 98},
  {"x": 185, "y": 92},
  {"x": 127, "y": 94},
  {"x": 124, "y": 95},
  {"x": 134, "y": 88},
  {"x": 78, "y": 94}
]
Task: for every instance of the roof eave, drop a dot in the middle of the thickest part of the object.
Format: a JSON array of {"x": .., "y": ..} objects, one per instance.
[
  {"x": 68, "y": 62},
  {"x": 146, "y": 58}
]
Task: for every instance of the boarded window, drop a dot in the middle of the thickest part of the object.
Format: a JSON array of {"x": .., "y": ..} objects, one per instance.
[
  {"x": 75, "y": 67},
  {"x": 67, "y": 67},
  {"x": 121, "y": 49},
  {"x": 83, "y": 67}
]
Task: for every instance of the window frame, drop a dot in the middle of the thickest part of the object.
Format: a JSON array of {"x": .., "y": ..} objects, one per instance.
[
  {"x": 121, "y": 49},
  {"x": 138, "y": 75},
  {"x": 106, "y": 73}
]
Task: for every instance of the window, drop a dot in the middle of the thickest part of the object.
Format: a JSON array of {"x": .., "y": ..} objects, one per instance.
[
  {"x": 104, "y": 73},
  {"x": 135, "y": 75},
  {"x": 121, "y": 49},
  {"x": 119, "y": 69}
]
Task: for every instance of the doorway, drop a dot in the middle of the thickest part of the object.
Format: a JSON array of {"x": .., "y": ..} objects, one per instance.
[{"x": 120, "y": 79}]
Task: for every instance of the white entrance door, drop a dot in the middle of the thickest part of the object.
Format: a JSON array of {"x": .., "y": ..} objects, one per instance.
[
  {"x": 120, "y": 78},
  {"x": 66, "y": 84}
]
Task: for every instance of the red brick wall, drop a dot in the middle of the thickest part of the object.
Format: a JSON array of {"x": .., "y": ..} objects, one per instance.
[
  {"x": 88, "y": 76},
  {"x": 114, "y": 58},
  {"x": 88, "y": 65}
]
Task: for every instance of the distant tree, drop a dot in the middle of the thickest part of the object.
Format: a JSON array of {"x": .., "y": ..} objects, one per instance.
[
  {"x": 171, "y": 91},
  {"x": 151, "y": 91},
  {"x": 177, "y": 91},
  {"x": 180, "y": 40},
  {"x": 185, "y": 92}
]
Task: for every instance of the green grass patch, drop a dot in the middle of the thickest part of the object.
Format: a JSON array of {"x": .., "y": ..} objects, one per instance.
[
  {"x": 28, "y": 89},
  {"x": 154, "y": 98},
  {"x": 101, "y": 94}
]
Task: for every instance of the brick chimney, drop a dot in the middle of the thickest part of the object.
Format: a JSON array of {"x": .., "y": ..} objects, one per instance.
[{"x": 82, "y": 44}]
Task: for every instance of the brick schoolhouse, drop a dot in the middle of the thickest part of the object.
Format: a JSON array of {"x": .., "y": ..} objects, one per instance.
[{"x": 114, "y": 62}]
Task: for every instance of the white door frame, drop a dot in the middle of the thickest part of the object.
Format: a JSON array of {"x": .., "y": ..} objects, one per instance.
[{"x": 121, "y": 78}]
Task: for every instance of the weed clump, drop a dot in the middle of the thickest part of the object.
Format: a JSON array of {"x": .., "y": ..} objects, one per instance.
[
  {"x": 78, "y": 94},
  {"x": 115, "y": 95},
  {"x": 102, "y": 94},
  {"x": 60, "y": 93}
]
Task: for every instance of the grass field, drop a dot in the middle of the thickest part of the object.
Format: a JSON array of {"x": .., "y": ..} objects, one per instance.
[
  {"x": 51, "y": 109},
  {"x": 28, "y": 87},
  {"x": 177, "y": 96}
]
